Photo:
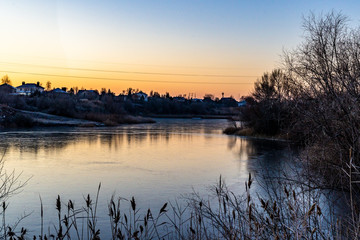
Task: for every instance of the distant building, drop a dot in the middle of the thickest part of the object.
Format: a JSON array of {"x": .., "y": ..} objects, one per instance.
[
  {"x": 120, "y": 98},
  {"x": 208, "y": 99},
  {"x": 228, "y": 101},
  {"x": 140, "y": 96},
  {"x": 242, "y": 103},
  {"x": 179, "y": 99},
  {"x": 88, "y": 94},
  {"x": 196, "y": 100},
  {"x": 7, "y": 89},
  {"x": 57, "y": 91},
  {"x": 29, "y": 88}
]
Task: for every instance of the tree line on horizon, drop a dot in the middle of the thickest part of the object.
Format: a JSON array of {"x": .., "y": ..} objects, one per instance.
[
  {"x": 105, "y": 107},
  {"x": 129, "y": 91}
]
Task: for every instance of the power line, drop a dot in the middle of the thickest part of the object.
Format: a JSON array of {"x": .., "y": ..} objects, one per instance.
[
  {"x": 132, "y": 72},
  {"x": 121, "y": 63},
  {"x": 121, "y": 79}
]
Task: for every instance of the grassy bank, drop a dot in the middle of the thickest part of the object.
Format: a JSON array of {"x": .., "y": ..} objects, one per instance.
[
  {"x": 15, "y": 118},
  {"x": 116, "y": 119}
]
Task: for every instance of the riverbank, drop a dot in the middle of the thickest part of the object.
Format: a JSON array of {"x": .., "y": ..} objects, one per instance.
[
  {"x": 249, "y": 132},
  {"x": 13, "y": 118},
  {"x": 190, "y": 116}
]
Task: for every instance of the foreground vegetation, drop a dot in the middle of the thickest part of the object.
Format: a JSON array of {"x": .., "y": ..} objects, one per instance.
[{"x": 294, "y": 212}]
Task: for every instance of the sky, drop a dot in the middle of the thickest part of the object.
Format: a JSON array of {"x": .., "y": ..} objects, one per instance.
[{"x": 187, "y": 47}]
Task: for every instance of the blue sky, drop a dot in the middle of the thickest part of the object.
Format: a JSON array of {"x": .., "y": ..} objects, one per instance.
[{"x": 243, "y": 38}]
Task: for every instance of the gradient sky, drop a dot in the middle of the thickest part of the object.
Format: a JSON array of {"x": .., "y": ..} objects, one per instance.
[{"x": 234, "y": 40}]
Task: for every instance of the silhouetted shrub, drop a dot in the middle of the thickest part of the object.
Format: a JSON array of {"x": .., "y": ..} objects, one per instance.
[{"x": 18, "y": 120}]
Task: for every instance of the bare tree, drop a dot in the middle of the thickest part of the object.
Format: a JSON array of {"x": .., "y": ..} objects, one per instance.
[
  {"x": 274, "y": 85},
  {"x": 6, "y": 79},
  {"x": 325, "y": 75},
  {"x": 11, "y": 184},
  {"x": 327, "y": 62},
  {"x": 48, "y": 85}
]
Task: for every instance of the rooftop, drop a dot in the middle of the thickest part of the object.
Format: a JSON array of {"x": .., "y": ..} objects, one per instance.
[{"x": 30, "y": 85}]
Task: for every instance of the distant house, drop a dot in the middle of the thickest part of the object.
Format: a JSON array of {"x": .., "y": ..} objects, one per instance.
[
  {"x": 120, "y": 98},
  {"x": 179, "y": 99},
  {"x": 140, "y": 96},
  {"x": 29, "y": 88},
  {"x": 57, "y": 91},
  {"x": 228, "y": 101},
  {"x": 88, "y": 94},
  {"x": 242, "y": 103},
  {"x": 196, "y": 100},
  {"x": 7, "y": 89},
  {"x": 208, "y": 99}
]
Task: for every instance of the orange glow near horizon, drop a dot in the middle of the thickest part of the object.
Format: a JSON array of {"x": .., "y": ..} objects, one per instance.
[{"x": 197, "y": 81}]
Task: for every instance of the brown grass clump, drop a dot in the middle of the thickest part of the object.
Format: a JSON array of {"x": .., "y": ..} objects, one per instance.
[
  {"x": 230, "y": 130},
  {"x": 116, "y": 119},
  {"x": 245, "y": 132}
]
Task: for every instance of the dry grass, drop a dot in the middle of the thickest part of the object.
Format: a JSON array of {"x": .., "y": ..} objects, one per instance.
[
  {"x": 245, "y": 132},
  {"x": 293, "y": 212},
  {"x": 115, "y": 119}
]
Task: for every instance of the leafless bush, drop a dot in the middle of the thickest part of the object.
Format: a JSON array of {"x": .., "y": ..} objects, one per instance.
[
  {"x": 10, "y": 184},
  {"x": 294, "y": 212}
]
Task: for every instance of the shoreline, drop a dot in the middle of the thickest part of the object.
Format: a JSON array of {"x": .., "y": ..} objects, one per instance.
[
  {"x": 184, "y": 116},
  {"x": 16, "y": 118},
  {"x": 249, "y": 133}
]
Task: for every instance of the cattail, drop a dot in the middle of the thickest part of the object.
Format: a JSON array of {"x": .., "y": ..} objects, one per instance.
[
  {"x": 133, "y": 203},
  {"x": 163, "y": 209},
  {"x": 58, "y": 204},
  {"x": 318, "y": 210}
]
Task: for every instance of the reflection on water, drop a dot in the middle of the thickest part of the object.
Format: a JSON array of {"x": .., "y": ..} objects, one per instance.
[
  {"x": 60, "y": 138},
  {"x": 275, "y": 166},
  {"x": 153, "y": 162},
  {"x": 265, "y": 159}
]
